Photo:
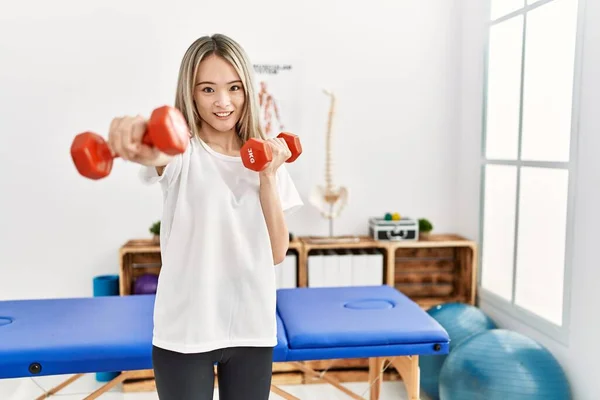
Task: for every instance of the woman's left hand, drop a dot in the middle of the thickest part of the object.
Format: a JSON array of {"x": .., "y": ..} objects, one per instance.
[{"x": 281, "y": 153}]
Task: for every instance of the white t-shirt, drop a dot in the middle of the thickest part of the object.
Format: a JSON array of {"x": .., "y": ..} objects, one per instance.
[{"x": 217, "y": 284}]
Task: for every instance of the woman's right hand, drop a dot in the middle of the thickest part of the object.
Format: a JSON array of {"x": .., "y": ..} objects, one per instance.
[{"x": 125, "y": 140}]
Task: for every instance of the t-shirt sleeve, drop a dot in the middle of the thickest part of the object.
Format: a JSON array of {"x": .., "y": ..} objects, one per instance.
[
  {"x": 288, "y": 194},
  {"x": 149, "y": 176}
]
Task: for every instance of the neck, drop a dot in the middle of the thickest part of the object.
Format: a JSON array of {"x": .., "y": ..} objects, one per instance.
[{"x": 223, "y": 142}]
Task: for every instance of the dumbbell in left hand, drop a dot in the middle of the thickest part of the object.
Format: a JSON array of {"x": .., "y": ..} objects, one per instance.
[{"x": 256, "y": 153}]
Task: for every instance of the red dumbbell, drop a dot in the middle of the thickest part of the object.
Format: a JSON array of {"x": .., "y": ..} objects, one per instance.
[
  {"x": 256, "y": 153},
  {"x": 167, "y": 130}
]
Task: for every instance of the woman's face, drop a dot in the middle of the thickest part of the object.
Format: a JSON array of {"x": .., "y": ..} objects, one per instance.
[{"x": 219, "y": 94}]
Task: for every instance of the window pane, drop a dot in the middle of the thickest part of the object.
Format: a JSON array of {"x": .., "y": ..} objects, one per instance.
[
  {"x": 499, "y": 229},
  {"x": 503, "y": 89},
  {"x": 541, "y": 242},
  {"x": 548, "y": 82},
  {"x": 502, "y": 7}
]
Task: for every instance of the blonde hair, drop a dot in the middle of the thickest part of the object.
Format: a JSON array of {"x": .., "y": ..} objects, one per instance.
[{"x": 248, "y": 125}]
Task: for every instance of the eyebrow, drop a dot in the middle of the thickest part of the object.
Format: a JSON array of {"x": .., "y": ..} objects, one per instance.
[{"x": 212, "y": 83}]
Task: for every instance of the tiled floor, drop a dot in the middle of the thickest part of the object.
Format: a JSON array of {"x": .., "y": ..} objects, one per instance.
[{"x": 29, "y": 389}]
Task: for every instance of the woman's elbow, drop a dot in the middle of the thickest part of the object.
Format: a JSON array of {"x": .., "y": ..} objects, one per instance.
[
  {"x": 279, "y": 257},
  {"x": 280, "y": 249}
]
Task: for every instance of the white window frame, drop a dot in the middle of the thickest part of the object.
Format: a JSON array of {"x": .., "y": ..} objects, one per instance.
[{"x": 510, "y": 308}]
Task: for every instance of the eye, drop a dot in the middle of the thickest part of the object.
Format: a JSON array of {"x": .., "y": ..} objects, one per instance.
[
  {"x": 236, "y": 87},
  {"x": 207, "y": 90}
]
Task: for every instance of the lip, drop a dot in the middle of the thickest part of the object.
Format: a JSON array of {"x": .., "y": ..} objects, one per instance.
[{"x": 225, "y": 116}]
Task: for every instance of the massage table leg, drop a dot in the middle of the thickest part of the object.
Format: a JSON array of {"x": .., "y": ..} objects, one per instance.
[
  {"x": 283, "y": 393},
  {"x": 375, "y": 374},
  {"x": 103, "y": 389},
  {"x": 331, "y": 381},
  {"x": 109, "y": 385},
  {"x": 408, "y": 368},
  {"x": 60, "y": 387}
]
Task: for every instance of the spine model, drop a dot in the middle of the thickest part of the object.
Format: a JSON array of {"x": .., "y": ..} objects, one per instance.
[{"x": 329, "y": 200}]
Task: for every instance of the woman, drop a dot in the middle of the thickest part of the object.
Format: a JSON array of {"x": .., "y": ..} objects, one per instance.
[{"x": 223, "y": 230}]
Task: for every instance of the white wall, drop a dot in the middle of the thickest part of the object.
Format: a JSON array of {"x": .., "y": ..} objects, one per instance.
[
  {"x": 69, "y": 66},
  {"x": 409, "y": 103},
  {"x": 578, "y": 357}
]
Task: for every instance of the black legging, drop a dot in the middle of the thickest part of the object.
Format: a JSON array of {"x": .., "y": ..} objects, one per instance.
[{"x": 244, "y": 373}]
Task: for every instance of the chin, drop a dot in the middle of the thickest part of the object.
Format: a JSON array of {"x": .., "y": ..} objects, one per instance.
[{"x": 224, "y": 125}]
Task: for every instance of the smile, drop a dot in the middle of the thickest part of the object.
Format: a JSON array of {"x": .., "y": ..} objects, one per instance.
[{"x": 223, "y": 114}]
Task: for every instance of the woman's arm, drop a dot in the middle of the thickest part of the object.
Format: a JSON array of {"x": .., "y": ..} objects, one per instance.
[{"x": 274, "y": 217}]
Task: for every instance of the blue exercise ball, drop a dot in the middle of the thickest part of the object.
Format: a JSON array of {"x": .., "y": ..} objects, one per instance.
[
  {"x": 500, "y": 364},
  {"x": 461, "y": 321}
]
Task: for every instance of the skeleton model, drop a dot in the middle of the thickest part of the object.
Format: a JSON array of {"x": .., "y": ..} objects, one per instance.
[{"x": 329, "y": 200}]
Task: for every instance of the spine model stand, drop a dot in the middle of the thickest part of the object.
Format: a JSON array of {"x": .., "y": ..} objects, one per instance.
[{"x": 329, "y": 200}]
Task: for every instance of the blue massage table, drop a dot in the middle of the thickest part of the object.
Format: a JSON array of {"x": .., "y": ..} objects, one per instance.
[{"x": 114, "y": 333}]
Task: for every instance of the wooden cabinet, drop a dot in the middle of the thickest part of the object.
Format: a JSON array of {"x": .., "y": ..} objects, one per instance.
[
  {"x": 137, "y": 257},
  {"x": 441, "y": 269},
  {"x": 438, "y": 270}
]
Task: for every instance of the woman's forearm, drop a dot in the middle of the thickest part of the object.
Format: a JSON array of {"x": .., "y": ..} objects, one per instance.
[{"x": 274, "y": 217}]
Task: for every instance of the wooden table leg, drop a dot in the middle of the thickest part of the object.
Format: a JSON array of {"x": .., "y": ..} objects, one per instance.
[
  {"x": 283, "y": 393},
  {"x": 375, "y": 377},
  {"x": 120, "y": 378},
  {"x": 331, "y": 381},
  {"x": 60, "y": 387},
  {"x": 408, "y": 368}
]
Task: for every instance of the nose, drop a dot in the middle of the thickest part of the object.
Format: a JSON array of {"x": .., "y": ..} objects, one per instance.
[{"x": 223, "y": 100}]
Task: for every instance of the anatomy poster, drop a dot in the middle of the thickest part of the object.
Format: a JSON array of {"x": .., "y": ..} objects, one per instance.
[{"x": 277, "y": 95}]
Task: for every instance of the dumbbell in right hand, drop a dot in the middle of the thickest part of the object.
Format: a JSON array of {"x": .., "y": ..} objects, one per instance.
[
  {"x": 166, "y": 130},
  {"x": 256, "y": 153}
]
